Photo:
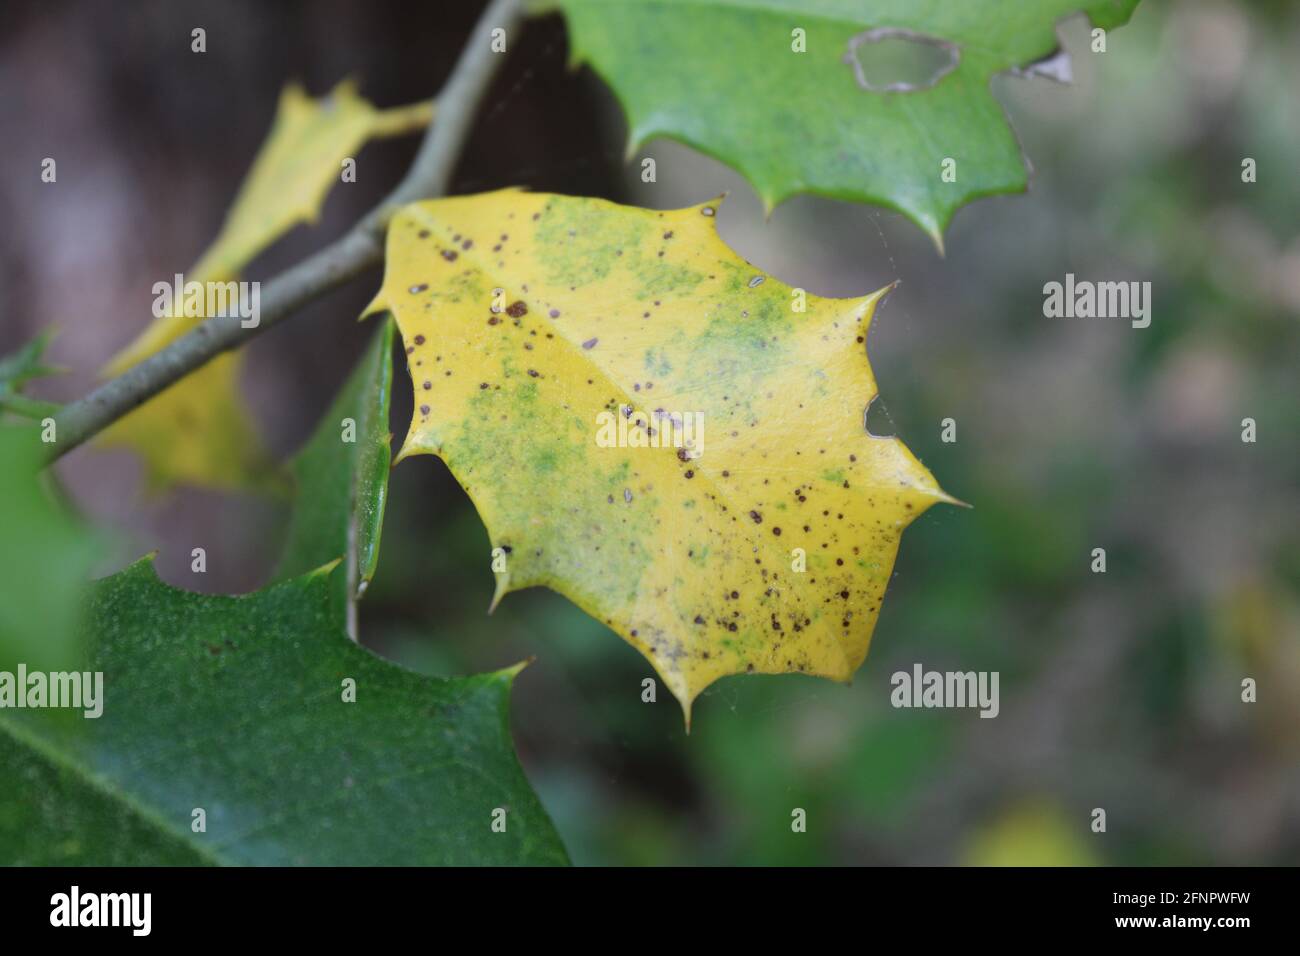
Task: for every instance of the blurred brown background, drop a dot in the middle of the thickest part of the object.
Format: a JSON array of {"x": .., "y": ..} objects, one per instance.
[{"x": 1119, "y": 691}]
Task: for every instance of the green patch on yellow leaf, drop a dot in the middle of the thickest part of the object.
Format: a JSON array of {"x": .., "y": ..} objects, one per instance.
[
  {"x": 199, "y": 430},
  {"x": 649, "y": 426}
]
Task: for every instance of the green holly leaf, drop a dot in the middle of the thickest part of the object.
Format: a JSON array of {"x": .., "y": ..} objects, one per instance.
[
  {"x": 19, "y": 368},
  {"x": 341, "y": 478},
  {"x": 728, "y": 78},
  {"x": 45, "y": 562},
  {"x": 236, "y": 707}
]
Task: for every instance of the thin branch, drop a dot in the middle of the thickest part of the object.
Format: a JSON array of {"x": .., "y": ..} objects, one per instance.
[{"x": 327, "y": 269}]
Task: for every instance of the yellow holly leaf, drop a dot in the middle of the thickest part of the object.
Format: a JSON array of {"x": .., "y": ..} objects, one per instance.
[
  {"x": 534, "y": 324},
  {"x": 199, "y": 431}
]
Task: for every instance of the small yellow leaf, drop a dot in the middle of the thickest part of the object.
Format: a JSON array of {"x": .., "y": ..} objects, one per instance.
[
  {"x": 534, "y": 324},
  {"x": 198, "y": 431},
  {"x": 302, "y": 158}
]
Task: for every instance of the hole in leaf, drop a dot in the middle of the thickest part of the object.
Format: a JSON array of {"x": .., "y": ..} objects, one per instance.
[
  {"x": 894, "y": 60},
  {"x": 876, "y": 420}
]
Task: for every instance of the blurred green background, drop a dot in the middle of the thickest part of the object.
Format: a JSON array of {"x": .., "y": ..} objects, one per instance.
[{"x": 1119, "y": 690}]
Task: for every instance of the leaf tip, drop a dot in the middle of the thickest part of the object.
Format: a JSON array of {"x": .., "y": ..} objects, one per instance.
[
  {"x": 936, "y": 236},
  {"x": 144, "y": 566},
  {"x": 927, "y": 493},
  {"x": 410, "y": 448},
  {"x": 709, "y": 210},
  {"x": 872, "y": 302},
  {"x": 944, "y": 498},
  {"x": 630, "y": 148},
  {"x": 378, "y": 304},
  {"x": 43, "y": 338},
  {"x": 514, "y": 670},
  {"x": 324, "y": 570},
  {"x": 502, "y": 589},
  {"x": 685, "y": 693}
]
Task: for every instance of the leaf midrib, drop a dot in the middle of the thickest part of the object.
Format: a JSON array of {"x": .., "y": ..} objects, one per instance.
[{"x": 91, "y": 781}]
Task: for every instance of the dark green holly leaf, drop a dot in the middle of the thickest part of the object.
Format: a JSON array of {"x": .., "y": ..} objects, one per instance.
[
  {"x": 233, "y": 712},
  {"x": 787, "y": 91}
]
